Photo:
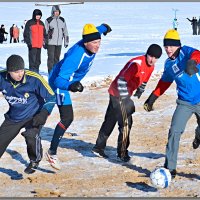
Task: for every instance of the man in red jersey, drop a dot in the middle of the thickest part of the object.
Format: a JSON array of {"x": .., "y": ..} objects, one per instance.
[{"x": 134, "y": 76}]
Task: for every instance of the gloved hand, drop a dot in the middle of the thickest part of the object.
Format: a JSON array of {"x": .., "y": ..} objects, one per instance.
[
  {"x": 40, "y": 118},
  {"x": 148, "y": 105},
  {"x": 45, "y": 45},
  {"x": 191, "y": 67},
  {"x": 66, "y": 41},
  {"x": 66, "y": 45},
  {"x": 76, "y": 87},
  {"x": 108, "y": 29},
  {"x": 138, "y": 93},
  {"x": 140, "y": 90},
  {"x": 29, "y": 47}
]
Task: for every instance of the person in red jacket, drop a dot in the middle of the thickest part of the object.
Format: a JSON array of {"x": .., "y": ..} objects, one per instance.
[
  {"x": 134, "y": 76},
  {"x": 34, "y": 34}
]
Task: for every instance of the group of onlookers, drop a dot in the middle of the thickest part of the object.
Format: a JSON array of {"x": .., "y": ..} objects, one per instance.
[{"x": 195, "y": 25}]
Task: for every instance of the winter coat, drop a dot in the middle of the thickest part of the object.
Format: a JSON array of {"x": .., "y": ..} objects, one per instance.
[
  {"x": 15, "y": 32},
  {"x": 26, "y": 98},
  {"x": 2, "y": 32},
  {"x": 135, "y": 72},
  {"x": 173, "y": 71},
  {"x": 56, "y": 29},
  {"x": 34, "y": 31}
]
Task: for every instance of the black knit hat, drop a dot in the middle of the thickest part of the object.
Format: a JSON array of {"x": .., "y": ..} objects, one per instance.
[
  {"x": 14, "y": 63},
  {"x": 154, "y": 50}
]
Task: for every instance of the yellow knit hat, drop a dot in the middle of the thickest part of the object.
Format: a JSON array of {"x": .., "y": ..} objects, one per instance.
[
  {"x": 172, "y": 38},
  {"x": 90, "y": 33}
]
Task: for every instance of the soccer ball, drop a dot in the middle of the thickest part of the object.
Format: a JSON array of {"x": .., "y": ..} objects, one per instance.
[{"x": 160, "y": 177}]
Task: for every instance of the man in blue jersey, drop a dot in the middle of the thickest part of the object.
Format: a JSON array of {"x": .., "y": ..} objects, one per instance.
[
  {"x": 182, "y": 66},
  {"x": 30, "y": 100},
  {"x": 65, "y": 77}
]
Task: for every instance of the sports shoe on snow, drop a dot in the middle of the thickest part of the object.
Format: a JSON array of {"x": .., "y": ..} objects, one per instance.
[
  {"x": 126, "y": 158},
  {"x": 98, "y": 152},
  {"x": 31, "y": 167},
  {"x": 53, "y": 161},
  {"x": 196, "y": 143}
]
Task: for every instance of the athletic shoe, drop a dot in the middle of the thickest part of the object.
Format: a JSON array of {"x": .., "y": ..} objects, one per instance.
[
  {"x": 196, "y": 143},
  {"x": 98, "y": 152},
  {"x": 31, "y": 167},
  {"x": 172, "y": 172},
  {"x": 53, "y": 161},
  {"x": 126, "y": 158}
]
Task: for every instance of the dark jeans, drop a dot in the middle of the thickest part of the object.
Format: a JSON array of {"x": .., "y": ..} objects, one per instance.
[
  {"x": 9, "y": 130},
  {"x": 119, "y": 111},
  {"x": 53, "y": 52},
  {"x": 34, "y": 55}
]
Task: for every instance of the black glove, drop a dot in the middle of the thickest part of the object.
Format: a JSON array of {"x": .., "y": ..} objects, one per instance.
[
  {"x": 66, "y": 45},
  {"x": 140, "y": 90},
  {"x": 45, "y": 45},
  {"x": 29, "y": 47},
  {"x": 40, "y": 118},
  {"x": 108, "y": 29},
  {"x": 148, "y": 105},
  {"x": 76, "y": 87},
  {"x": 191, "y": 67}
]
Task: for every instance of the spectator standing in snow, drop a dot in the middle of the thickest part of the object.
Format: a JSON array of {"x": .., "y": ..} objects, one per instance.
[
  {"x": 15, "y": 34},
  {"x": 65, "y": 77},
  {"x": 194, "y": 25},
  {"x": 2, "y": 34},
  {"x": 134, "y": 76},
  {"x": 198, "y": 24},
  {"x": 11, "y": 33},
  {"x": 181, "y": 67},
  {"x": 56, "y": 31},
  {"x": 22, "y": 27},
  {"x": 34, "y": 33},
  {"x": 175, "y": 24},
  {"x": 30, "y": 101}
]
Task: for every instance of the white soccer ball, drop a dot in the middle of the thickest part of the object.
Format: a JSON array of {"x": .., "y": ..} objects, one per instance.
[{"x": 160, "y": 177}]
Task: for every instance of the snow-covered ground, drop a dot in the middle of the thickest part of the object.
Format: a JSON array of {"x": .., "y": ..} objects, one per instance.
[{"x": 135, "y": 26}]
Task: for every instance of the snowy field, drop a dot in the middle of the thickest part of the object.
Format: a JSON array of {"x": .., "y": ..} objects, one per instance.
[{"x": 135, "y": 26}]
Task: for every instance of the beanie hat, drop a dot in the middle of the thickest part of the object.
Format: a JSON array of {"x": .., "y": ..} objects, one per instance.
[
  {"x": 172, "y": 38},
  {"x": 154, "y": 50},
  {"x": 90, "y": 33},
  {"x": 14, "y": 63}
]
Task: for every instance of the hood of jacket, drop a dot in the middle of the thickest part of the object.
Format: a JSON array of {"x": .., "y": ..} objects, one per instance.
[
  {"x": 36, "y": 12},
  {"x": 54, "y": 8}
]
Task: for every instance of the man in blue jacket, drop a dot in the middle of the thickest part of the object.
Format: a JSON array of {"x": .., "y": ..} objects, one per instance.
[
  {"x": 182, "y": 66},
  {"x": 30, "y": 100},
  {"x": 65, "y": 77}
]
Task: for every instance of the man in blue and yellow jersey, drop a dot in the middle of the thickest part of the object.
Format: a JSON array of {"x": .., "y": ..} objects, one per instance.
[
  {"x": 30, "y": 100},
  {"x": 65, "y": 77}
]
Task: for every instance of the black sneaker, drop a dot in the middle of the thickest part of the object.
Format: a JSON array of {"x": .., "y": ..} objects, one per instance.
[
  {"x": 173, "y": 173},
  {"x": 126, "y": 158},
  {"x": 196, "y": 143},
  {"x": 98, "y": 152},
  {"x": 31, "y": 167}
]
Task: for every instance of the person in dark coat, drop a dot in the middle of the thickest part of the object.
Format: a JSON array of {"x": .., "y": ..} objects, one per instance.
[
  {"x": 2, "y": 32},
  {"x": 198, "y": 24},
  {"x": 34, "y": 33},
  {"x": 11, "y": 33},
  {"x": 194, "y": 25}
]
